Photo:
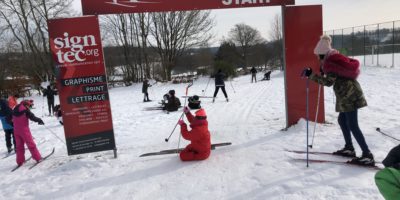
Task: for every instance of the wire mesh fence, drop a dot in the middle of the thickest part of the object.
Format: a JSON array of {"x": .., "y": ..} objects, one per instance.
[{"x": 373, "y": 45}]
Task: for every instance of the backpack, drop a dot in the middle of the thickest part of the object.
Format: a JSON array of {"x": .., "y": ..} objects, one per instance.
[{"x": 194, "y": 102}]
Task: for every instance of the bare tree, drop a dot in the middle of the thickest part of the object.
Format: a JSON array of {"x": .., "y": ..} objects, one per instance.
[
  {"x": 245, "y": 36},
  {"x": 26, "y": 22},
  {"x": 174, "y": 32},
  {"x": 131, "y": 32},
  {"x": 276, "y": 36}
]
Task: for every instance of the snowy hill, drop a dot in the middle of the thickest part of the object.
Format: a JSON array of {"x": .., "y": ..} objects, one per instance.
[{"x": 254, "y": 167}]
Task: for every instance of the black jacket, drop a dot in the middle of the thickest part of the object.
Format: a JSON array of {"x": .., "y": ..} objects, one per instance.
[
  {"x": 219, "y": 79},
  {"x": 49, "y": 93},
  {"x": 393, "y": 158},
  {"x": 253, "y": 70},
  {"x": 172, "y": 104},
  {"x": 145, "y": 86}
]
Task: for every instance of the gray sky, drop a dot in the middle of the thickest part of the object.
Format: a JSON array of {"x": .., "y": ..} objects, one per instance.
[{"x": 336, "y": 14}]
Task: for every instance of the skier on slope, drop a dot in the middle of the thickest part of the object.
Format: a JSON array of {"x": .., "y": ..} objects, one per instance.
[
  {"x": 388, "y": 179},
  {"x": 49, "y": 93},
  {"x": 145, "y": 87},
  {"x": 6, "y": 120},
  {"x": 341, "y": 72},
  {"x": 200, "y": 142},
  {"x": 219, "y": 83},
  {"x": 22, "y": 133},
  {"x": 253, "y": 71}
]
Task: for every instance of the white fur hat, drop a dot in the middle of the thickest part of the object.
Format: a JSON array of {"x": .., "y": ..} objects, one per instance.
[{"x": 323, "y": 45}]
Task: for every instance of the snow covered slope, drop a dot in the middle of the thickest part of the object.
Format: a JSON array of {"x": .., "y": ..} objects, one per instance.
[{"x": 254, "y": 167}]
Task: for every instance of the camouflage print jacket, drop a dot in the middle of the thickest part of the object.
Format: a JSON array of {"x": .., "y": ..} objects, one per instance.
[{"x": 348, "y": 92}]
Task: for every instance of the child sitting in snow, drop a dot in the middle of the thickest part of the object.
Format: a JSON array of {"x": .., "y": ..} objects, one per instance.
[
  {"x": 58, "y": 113},
  {"x": 199, "y": 136},
  {"x": 22, "y": 133}
]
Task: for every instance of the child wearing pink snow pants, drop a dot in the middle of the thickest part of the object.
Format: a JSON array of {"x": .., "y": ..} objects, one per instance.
[{"x": 22, "y": 133}]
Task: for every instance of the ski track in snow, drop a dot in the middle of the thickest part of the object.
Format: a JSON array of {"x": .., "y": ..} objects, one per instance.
[{"x": 255, "y": 166}]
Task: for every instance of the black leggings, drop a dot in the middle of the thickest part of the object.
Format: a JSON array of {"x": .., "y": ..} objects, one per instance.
[
  {"x": 223, "y": 90},
  {"x": 9, "y": 136},
  {"x": 50, "y": 103}
]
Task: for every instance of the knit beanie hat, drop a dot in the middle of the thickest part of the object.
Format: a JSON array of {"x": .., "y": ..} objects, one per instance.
[{"x": 323, "y": 45}]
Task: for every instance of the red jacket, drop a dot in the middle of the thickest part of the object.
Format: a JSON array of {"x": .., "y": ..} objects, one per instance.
[
  {"x": 199, "y": 135},
  {"x": 341, "y": 65}
]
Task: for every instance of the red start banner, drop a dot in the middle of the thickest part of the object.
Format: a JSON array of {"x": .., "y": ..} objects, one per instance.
[
  {"x": 82, "y": 84},
  {"x": 98, "y": 7}
]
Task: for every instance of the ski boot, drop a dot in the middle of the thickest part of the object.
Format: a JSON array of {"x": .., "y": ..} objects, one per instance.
[
  {"x": 347, "y": 151},
  {"x": 213, "y": 99},
  {"x": 9, "y": 150},
  {"x": 227, "y": 100},
  {"x": 366, "y": 159}
]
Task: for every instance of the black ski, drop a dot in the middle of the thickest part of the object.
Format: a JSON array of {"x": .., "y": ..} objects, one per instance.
[
  {"x": 198, "y": 96},
  {"x": 385, "y": 134},
  {"x": 43, "y": 159},
  {"x": 337, "y": 162},
  {"x": 172, "y": 151},
  {"x": 8, "y": 155},
  {"x": 315, "y": 153},
  {"x": 18, "y": 166}
]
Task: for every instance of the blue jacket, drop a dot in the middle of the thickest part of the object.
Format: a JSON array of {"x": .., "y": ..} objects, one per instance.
[{"x": 6, "y": 125}]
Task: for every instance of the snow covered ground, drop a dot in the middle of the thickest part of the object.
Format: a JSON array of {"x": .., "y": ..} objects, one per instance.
[{"x": 254, "y": 167}]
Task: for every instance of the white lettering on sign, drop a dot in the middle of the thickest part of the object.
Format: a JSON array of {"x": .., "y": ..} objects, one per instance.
[
  {"x": 242, "y": 2},
  {"x": 74, "y": 48}
]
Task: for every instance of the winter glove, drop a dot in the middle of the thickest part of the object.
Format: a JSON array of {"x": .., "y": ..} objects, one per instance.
[
  {"x": 41, "y": 122},
  {"x": 307, "y": 72},
  {"x": 186, "y": 109},
  {"x": 181, "y": 122}
]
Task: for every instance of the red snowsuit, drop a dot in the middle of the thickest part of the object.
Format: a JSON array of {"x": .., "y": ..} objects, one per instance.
[
  {"x": 22, "y": 133},
  {"x": 200, "y": 146}
]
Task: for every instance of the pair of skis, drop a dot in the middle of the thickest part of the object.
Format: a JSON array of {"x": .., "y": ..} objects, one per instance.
[
  {"x": 329, "y": 161},
  {"x": 34, "y": 165},
  {"x": 174, "y": 151}
]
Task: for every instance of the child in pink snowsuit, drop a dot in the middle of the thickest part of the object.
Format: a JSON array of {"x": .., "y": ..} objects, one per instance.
[{"x": 22, "y": 133}]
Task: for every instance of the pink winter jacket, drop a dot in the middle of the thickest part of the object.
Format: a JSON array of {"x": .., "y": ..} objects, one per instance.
[{"x": 21, "y": 116}]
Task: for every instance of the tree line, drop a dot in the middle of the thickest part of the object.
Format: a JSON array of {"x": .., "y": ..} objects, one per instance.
[{"x": 141, "y": 45}]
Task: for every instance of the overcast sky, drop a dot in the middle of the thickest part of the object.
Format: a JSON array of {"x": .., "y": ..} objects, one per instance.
[{"x": 336, "y": 14}]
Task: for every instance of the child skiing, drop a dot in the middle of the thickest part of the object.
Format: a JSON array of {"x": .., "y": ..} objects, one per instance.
[
  {"x": 6, "y": 120},
  {"x": 21, "y": 117},
  {"x": 145, "y": 86},
  {"x": 199, "y": 136},
  {"x": 341, "y": 72},
  {"x": 387, "y": 179}
]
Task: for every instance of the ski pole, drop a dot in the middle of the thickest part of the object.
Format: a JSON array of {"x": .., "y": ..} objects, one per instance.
[
  {"x": 54, "y": 134},
  {"x": 232, "y": 86},
  {"x": 187, "y": 88},
  {"x": 307, "y": 91},
  {"x": 316, "y": 117},
  {"x": 383, "y": 133},
  {"x": 204, "y": 91}
]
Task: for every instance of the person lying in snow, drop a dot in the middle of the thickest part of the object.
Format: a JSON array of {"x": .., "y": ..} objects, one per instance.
[
  {"x": 199, "y": 137},
  {"x": 388, "y": 179}
]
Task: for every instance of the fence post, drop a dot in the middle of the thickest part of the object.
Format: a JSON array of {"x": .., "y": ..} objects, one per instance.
[{"x": 377, "y": 49}]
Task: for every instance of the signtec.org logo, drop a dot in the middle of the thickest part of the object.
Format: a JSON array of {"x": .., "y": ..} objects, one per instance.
[{"x": 71, "y": 49}]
